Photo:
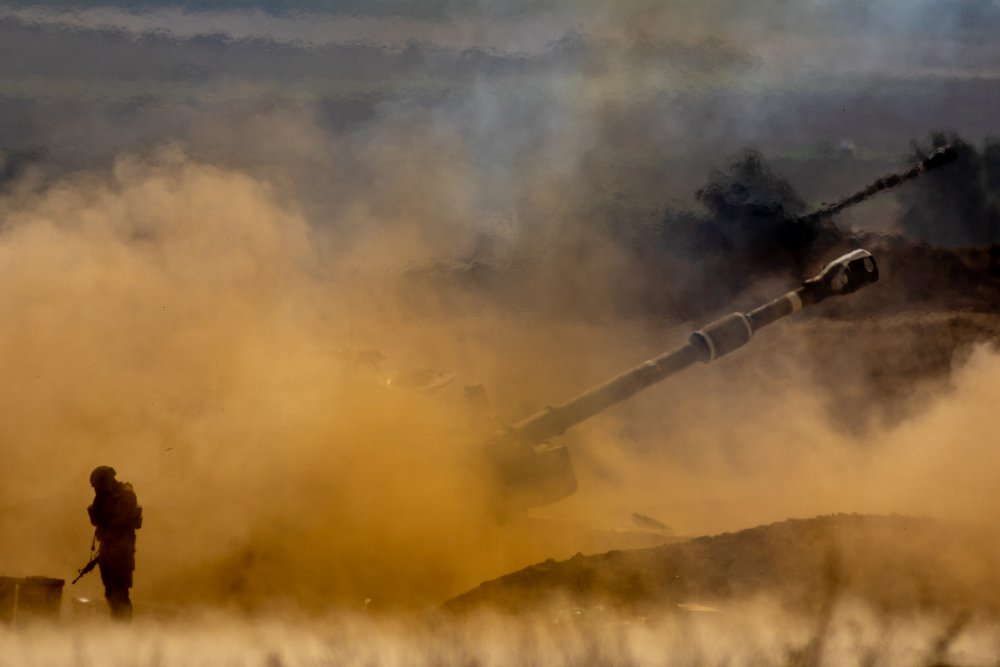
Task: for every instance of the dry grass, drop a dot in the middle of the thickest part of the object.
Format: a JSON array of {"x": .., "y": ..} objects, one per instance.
[{"x": 746, "y": 633}]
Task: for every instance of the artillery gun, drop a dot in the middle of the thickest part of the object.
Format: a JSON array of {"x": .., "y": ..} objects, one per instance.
[{"x": 531, "y": 470}]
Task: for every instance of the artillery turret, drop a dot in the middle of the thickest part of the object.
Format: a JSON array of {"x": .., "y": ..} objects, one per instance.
[{"x": 532, "y": 470}]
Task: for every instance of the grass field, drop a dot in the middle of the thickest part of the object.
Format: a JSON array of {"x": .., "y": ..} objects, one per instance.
[{"x": 751, "y": 633}]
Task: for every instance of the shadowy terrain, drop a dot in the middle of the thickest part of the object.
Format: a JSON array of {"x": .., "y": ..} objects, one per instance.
[{"x": 895, "y": 564}]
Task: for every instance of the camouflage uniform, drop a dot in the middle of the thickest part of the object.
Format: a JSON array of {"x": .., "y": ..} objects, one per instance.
[{"x": 116, "y": 515}]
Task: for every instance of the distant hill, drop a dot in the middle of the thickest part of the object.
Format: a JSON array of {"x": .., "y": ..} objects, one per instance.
[
  {"x": 277, "y": 7},
  {"x": 893, "y": 563}
]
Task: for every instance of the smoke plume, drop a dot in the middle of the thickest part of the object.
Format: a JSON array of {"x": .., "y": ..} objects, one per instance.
[{"x": 961, "y": 206}]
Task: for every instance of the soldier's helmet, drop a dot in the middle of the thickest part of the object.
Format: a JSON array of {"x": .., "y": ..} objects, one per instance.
[{"x": 101, "y": 476}]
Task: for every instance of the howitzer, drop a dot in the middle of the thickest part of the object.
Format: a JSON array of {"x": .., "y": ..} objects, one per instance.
[
  {"x": 86, "y": 569},
  {"x": 534, "y": 472}
]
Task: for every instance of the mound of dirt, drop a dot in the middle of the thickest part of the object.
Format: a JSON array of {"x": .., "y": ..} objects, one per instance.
[{"x": 895, "y": 564}]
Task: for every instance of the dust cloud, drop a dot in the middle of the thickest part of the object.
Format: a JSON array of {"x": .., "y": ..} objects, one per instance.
[
  {"x": 186, "y": 324},
  {"x": 195, "y": 326},
  {"x": 760, "y": 437},
  {"x": 172, "y": 319}
]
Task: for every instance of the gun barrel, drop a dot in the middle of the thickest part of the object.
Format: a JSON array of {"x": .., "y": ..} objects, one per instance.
[
  {"x": 553, "y": 421},
  {"x": 941, "y": 156},
  {"x": 842, "y": 276}
]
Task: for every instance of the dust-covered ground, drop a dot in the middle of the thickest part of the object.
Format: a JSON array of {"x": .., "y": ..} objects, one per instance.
[{"x": 259, "y": 259}]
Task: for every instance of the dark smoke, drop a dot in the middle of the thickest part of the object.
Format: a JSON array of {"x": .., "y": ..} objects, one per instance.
[
  {"x": 958, "y": 206},
  {"x": 750, "y": 228},
  {"x": 15, "y": 163},
  {"x": 674, "y": 263}
]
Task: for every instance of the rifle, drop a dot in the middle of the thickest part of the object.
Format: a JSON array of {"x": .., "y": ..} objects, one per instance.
[{"x": 91, "y": 564}]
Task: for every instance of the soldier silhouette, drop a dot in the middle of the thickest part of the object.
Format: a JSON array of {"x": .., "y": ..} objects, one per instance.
[{"x": 116, "y": 516}]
